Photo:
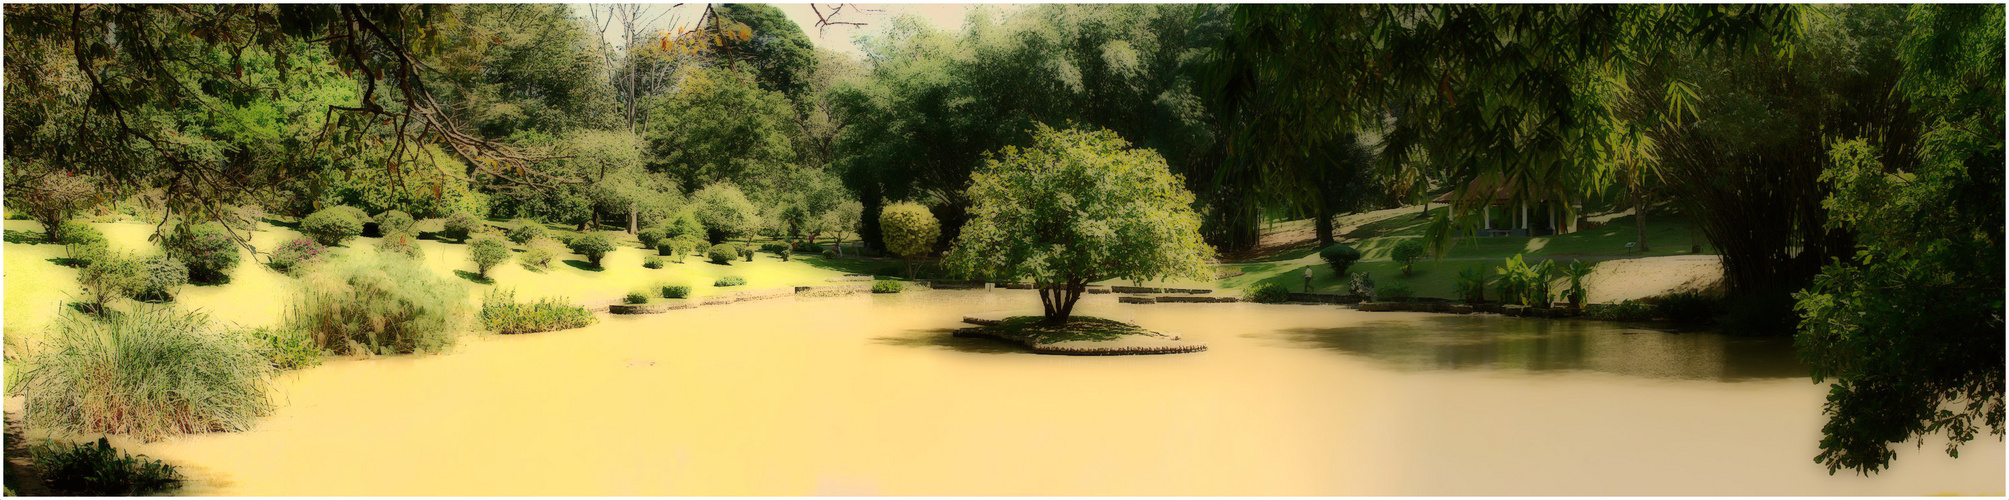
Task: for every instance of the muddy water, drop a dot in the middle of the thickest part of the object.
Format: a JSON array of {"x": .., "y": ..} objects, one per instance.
[{"x": 869, "y": 395}]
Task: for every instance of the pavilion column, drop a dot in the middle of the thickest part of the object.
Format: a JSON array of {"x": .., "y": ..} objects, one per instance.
[
  {"x": 1489, "y": 216},
  {"x": 1552, "y": 217},
  {"x": 1524, "y": 215}
]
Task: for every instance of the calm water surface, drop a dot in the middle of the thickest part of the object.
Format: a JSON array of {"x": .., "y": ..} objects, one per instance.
[{"x": 869, "y": 395}]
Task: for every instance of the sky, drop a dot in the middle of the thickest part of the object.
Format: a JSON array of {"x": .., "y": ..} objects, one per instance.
[{"x": 948, "y": 17}]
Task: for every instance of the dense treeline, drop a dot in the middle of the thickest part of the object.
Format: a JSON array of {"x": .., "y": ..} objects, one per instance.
[{"x": 1782, "y": 131}]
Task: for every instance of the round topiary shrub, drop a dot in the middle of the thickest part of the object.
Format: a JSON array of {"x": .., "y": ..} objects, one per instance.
[
  {"x": 650, "y": 237},
  {"x": 527, "y": 230},
  {"x": 1269, "y": 293},
  {"x": 887, "y": 286},
  {"x": 332, "y": 226},
  {"x": 676, "y": 291},
  {"x": 729, "y": 281},
  {"x": 652, "y": 262},
  {"x": 379, "y": 304},
  {"x": 722, "y": 253},
  {"x": 460, "y": 226},
  {"x": 669, "y": 248},
  {"x": 539, "y": 255},
  {"x": 160, "y": 276},
  {"x": 594, "y": 246},
  {"x": 486, "y": 252},
  {"x": 395, "y": 222},
  {"x": 151, "y": 373},
  {"x": 82, "y": 242},
  {"x": 208, "y": 251},
  {"x": 291, "y": 257},
  {"x": 1340, "y": 257},
  {"x": 747, "y": 252}
]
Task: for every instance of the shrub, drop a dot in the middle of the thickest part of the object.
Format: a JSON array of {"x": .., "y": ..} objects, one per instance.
[
  {"x": 670, "y": 248},
  {"x": 652, "y": 262},
  {"x": 500, "y": 313},
  {"x": 594, "y": 246},
  {"x": 372, "y": 304},
  {"x": 1406, "y": 252},
  {"x": 1575, "y": 272},
  {"x": 1524, "y": 284},
  {"x": 909, "y": 230},
  {"x": 1268, "y": 293},
  {"x": 405, "y": 244},
  {"x": 332, "y": 226},
  {"x": 486, "y": 252},
  {"x": 729, "y": 281},
  {"x": 747, "y": 252},
  {"x": 786, "y": 253},
  {"x": 636, "y": 297},
  {"x": 809, "y": 248},
  {"x": 887, "y": 286},
  {"x": 355, "y": 213},
  {"x": 1629, "y": 310},
  {"x": 1340, "y": 257},
  {"x": 684, "y": 226},
  {"x": 526, "y": 231},
  {"x": 829, "y": 254},
  {"x": 676, "y": 291},
  {"x": 285, "y": 348},
  {"x": 539, "y": 255},
  {"x": 1361, "y": 285},
  {"x": 83, "y": 243},
  {"x": 109, "y": 278},
  {"x": 650, "y": 237},
  {"x": 1471, "y": 285},
  {"x": 151, "y": 373},
  {"x": 1394, "y": 292},
  {"x": 290, "y": 257},
  {"x": 773, "y": 247},
  {"x": 722, "y": 253},
  {"x": 1692, "y": 308},
  {"x": 395, "y": 222},
  {"x": 160, "y": 276},
  {"x": 460, "y": 226},
  {"x": 208, "y": 251},
  {"x": 97, "y": 469}
]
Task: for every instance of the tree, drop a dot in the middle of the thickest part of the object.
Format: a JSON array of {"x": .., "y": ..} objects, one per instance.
[
  {"x": 911, "y": 231},
  {"x": 725, "y": 212},
  {"x": 486, "y": 252},
  {"x": 1910, "y": 326},
  {"x": 721, "y": 127},
  {"x": 1079, "y": 206},
  {"x": 844, "y": 217},
  {"x": 1406, "y": 252},
  {"x": 780, "y": 55}
]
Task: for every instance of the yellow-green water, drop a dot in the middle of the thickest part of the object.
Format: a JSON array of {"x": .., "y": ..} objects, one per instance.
[{"x": 867, "y": 394}]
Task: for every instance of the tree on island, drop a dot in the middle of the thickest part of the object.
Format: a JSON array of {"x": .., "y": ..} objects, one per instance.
[{"x": 1077, "y": 207}]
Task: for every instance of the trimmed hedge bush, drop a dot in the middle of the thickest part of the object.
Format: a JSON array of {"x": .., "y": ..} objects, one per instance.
[
  {"x": 332, "y": 226},
  {"x": 1406, "y": 252},
  {"x": 747, "y": 252},
  {"x": 1268, "y": 293},
  {"x": 395, "y": 222},
  {"x": 294, "y": 255},
  {"x": 729, "y": 281},
  {"x": 650, "y": 237},
  {"x": 460, "y": 226},
  {"x": 160, "y": 276},
  {"x": 652, "y": 262},
  {"x": 1340, "y": 257},
  {"x": 486, "y": 252},
  {"x": 83, "y": 243},
  {"x": 539, "y": 255},
  {"x": 594, "y": 246},
  {"x": 381, "y": 305},
  {"x": 636, "y": 297},
  {"x": 722, "y": 253},
  {"x": 208, "y": 251},
  {"x": 526, "y": 231},
  {"x": 151, "y": 373},
  {"x": 500, "y": 313},
  {"x": 404, "y": 244},
  {"x": 887, "y": 286},
  {"x": 109, "y": 278},
  {"x": 676, "y": 291}
]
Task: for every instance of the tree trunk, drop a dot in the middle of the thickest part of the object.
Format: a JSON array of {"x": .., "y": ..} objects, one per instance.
[
  {"x": 1322, "y": 222},
  {"x": 632, "y": 220},
  {"x": 1639, "y": 216},
  {"x": 1058, "y": 301}
]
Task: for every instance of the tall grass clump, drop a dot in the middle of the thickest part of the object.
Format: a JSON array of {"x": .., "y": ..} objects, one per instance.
[
  {"x": 404, "y": 243},
  {"x": 500, "y": 313},
  {"x": 380, "y": 305},
  {"x": 96, "y": 469},
  {"x": 151, "y": 373}
]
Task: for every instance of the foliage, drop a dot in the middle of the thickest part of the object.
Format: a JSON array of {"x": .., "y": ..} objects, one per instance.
[
  {"x": 109, "y": 278},
  {"x": 1077, "y": 207},
  {"x": 394, "y": 222},
  {"x": 1524, "y": 284},
  {"x": 160, "y": 276},
  {"x": 539, "y": 254},
  {"x": 1268, "y": 293},
  {"x": 526, "y": 230},
  {"x": 746, "y": 251},
  {"x": 151, "y": 373},
  {"x": 370, "y": 303},
  {"x": 486, "y": 253},
  {"x": 729, "y": 281},
  {"x": 1472, "y": 285},
  {"x": 886, "y": 286},
  {"x": 1394, "y": 292},
  {"x": 683, "y": 226},
  {"x": 1689, "y": 307},
  {"x": 1340, "y": 257},
  {"x": 82, "y": 242},
  {"x": 97, "y": 469},
  {"x": 1909, "y": 327},
  {"x": 1406, "y": 252},
  {"x": 49, "y": 196},
  {"x": 1361, "y": 285},
  {"x": 722, "y": 253},
  {"x": 649, "y": 237},
  {"x": 405, "y": 244},
  {"x": 332, "y": 226},
  {"x": 460, "y": 226},
  {"x": 1575, "y": 271},
  {"x": 294, "y": 255},
  {"x": 208, "y": 250},
  {"x": 725, "y": 212},
  {"x": 675, "y": 291},
  {"x": 1626, "y": 310},
  {"x": 720, "y": 127},
  {"x": 593, "y": 245},
  {"x": 636, "y": 297},
  {"x": 910, "y": 230}
]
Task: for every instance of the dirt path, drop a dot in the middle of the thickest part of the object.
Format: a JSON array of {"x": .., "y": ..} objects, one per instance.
[{"x": 1621, "y": 279}]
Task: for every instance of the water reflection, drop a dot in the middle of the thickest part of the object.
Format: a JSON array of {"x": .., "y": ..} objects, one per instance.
[{"x": 1486, "y": 342}]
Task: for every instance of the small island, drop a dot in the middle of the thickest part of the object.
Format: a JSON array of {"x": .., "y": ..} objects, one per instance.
[{"x": 1080, "y": 336}]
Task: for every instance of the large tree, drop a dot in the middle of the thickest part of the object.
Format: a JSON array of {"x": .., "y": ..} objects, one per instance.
[
  {"x": 722, "y": 127},
  {"x": 1077, "y": 207}
]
